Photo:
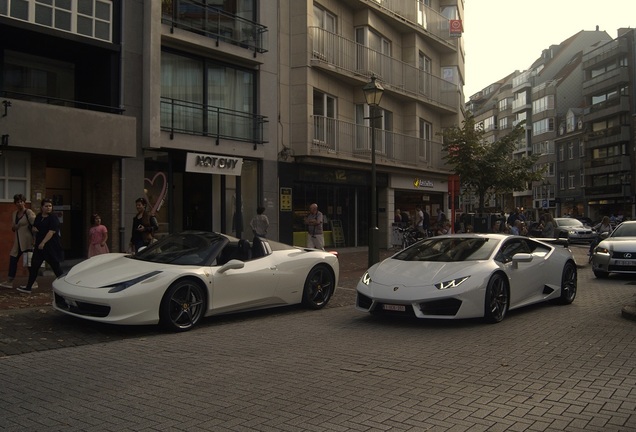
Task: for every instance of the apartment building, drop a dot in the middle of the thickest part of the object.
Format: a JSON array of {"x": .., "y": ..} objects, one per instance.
[
  {"x": 64, "y": 124},
  {"x": 107, "y": 101},
  {"x": 335, "y": 48},
  {"x": 549, "y": 92},
  {"x": 608, "y": 121}
]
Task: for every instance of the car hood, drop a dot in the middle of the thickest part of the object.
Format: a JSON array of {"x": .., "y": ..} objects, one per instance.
[
  {"x": 418, "y": 273},
  {"x": 108, "y": 269},
  {"x": 614, "y": 242}
]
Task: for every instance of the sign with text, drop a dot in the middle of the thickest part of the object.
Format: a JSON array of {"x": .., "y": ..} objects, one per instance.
[{"x": 213, "y": 164}]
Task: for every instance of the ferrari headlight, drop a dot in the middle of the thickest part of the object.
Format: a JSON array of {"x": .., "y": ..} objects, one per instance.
[
  {"x": 366, "y": 278},
  {"x": 454, "y": 283},
  {"x": 120, "y": 286}
]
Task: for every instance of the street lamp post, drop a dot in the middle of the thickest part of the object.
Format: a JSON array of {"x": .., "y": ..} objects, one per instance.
[{"x": 373, "y": 94}]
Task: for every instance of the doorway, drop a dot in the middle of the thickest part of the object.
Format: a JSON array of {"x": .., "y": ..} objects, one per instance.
[{"x": 197, "y": 201}]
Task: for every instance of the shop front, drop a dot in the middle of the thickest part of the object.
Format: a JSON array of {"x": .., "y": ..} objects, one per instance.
[
  {"x": 429, "y": 193},
  {"x": 342, "y": 196},
  {"x": 200, "y": 191}
]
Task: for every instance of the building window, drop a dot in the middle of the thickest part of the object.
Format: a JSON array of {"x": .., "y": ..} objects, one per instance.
[
  {"x": 542, "y": 126},
  {"x": 581, "y": 149},
  {"x": 570, "y": 180},
  {"x": 562, "y": 182},
  {"x": 561, "y": 153},
  {"x": 324, "y": 119},
  {"x": 14, "y": 175},
  {"x": 201, "y": 96},
  {"x": 582, "y": 178},
  {"x": 377, "y": 58},
  {"x": 490, "y": 123},
  {"x": 325, "y": 20},
  {"x": 90, "y": 18},
  {"x": 543, "y": 104},
  {"x": 570, "y": 151},
  {"x": 503, "y": 104},
  {"x": 503, "y": 123}
]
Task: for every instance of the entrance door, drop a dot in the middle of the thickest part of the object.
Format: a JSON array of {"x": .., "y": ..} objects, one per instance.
[{"x": 197, "y": 201}]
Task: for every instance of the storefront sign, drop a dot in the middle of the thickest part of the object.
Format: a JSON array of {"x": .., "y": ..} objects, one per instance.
[
  {"x": 420, "y": 183},
  {"x": 285, "y": 199},
  {"x": 213, "y": 164}
]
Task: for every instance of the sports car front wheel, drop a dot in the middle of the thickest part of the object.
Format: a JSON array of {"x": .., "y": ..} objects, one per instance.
[
  {"x": 182, "y": 306},
  {"x": 496, "y": 304},
  {"x": 319, "y": 287},
  {"x": 568, "y": 284}
]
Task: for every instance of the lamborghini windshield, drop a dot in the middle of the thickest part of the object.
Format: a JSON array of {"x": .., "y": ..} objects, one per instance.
[{"x": 448, "y": 249}]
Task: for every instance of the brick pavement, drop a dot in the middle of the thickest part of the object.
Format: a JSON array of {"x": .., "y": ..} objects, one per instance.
[{"x": 545, "y": 368}]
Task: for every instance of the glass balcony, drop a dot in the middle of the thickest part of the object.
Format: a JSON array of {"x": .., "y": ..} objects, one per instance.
[{"x": 214, "y": 23}]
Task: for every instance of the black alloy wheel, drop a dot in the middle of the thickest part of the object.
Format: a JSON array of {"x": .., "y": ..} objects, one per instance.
[
  {"x": 496, "y": 303},
  {"x": 182, "y": 306},
  {"x": 319, "y": 287}
]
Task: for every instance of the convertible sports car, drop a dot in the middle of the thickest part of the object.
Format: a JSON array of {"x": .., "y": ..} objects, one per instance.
[
  {"x": 468, "y": 276},
  {"x": 184, "y": 277},
  {"x": 616, "y": 253}
]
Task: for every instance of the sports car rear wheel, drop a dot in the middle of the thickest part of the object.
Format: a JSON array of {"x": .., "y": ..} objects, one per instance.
[
  {"x": 182, "y": 306},
  {"x": 568, "y": 284},
  {"x": 496, "y": 304},
  {"x": 319, "y": 287}
]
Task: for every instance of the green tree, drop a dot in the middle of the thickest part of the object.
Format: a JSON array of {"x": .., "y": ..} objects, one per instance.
[{"x": 486, "y": 168}]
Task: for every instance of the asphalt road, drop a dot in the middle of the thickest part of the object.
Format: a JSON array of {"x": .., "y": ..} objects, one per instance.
[{"x": 544, "y": 368}]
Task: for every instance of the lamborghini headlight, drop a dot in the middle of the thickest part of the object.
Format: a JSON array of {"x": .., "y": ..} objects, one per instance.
[
  {"x": 366, "y": 278},
  {"x": 454, "y": 283},
  {"x": 120, "y": 286}
]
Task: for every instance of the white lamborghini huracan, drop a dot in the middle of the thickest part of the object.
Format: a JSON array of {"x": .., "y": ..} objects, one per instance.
[
  {"x": 468, "y": 276},
  {"x": 186, "y": 276}
]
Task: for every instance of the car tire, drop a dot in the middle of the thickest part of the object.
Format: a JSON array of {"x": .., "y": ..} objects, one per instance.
[
  {"x": 568, "y": 284},
  {"x": 319, "y": 287},
  {"x": 182, "y": 306},
  {"x": 600, "y": 274},
  {"x": 496, "y": 301}
]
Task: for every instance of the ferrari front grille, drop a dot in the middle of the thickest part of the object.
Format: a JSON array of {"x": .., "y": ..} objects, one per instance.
[{"x": 82, "y": 308}]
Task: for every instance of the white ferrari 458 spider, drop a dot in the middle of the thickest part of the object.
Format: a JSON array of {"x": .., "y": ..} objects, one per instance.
[
  {"x": 184, "y": 277},
  {"x": 468, "y": 276}
]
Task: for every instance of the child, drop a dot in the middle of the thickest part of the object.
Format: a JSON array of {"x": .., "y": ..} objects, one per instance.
[{"x": 97, "y": 237}]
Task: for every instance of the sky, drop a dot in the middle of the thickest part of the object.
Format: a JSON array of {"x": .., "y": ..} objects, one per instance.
[{"x": 501, "y": 36}]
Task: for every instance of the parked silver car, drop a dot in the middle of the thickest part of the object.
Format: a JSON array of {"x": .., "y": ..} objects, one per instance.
[{"x": 617, "y": 252}]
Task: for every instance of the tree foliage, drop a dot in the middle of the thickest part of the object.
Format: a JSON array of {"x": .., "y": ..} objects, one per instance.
[{"x": 486, "y": 168}]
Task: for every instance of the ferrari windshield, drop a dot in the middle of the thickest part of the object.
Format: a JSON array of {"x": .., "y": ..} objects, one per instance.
[
  {"x": 447, "y": 249},
  {"x": 187, "y": 248}
]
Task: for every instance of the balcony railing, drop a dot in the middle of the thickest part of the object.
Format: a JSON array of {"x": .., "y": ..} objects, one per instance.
[
  {"x": 178, "y": 116},
  {"x": 344, "y": 139},
  {"x": 401, "y": 77},
  {"x": 61, "y": 102},
  {"x": 418, "y": 13},
  {"x": 215, "y": 23}
]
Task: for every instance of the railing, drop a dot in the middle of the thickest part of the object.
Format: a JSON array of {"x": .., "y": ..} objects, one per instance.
[
  {"x": 341, "y": 138},
  {"x": 198, "y": 119},
  {"x": 215, "y": 23},
  {"x": 416, "y": 12},
  {"x": 61, "y": 102},
  {"x": 399, "y": 76}
]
